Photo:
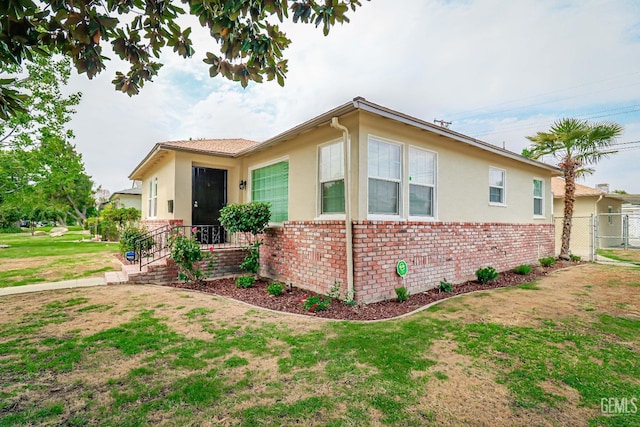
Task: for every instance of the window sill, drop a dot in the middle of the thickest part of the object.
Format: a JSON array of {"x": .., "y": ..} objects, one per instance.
[
  {"x": 330, "y": 217},
  {"x": 423, "y": 218},
  {"x": 381, "y": 217},
  {"x": 539, "y": 217},
  {"x": 500, "y": 205}
]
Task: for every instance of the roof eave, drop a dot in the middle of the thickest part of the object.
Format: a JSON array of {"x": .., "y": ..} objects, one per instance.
[
  {"x": 421, "y": 124},
  {"x": 144, "y": 161},
  {"x": 303, "y": 127}
]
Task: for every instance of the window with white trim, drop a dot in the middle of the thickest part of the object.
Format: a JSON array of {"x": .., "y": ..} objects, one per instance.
[
  {"x": 270, "y": 184},
  {"x": 538, "y": 206},
  {"x": 422, "y": 182},
  {"x": 384, "y": 177},
  {"x": 497, "y": 178},
  {"x": 331, "y": 177},
  {"x": 152, "y": 198}
]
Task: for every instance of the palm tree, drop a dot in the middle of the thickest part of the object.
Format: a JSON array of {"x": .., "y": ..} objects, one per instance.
[{"x": 575, "y": 144}]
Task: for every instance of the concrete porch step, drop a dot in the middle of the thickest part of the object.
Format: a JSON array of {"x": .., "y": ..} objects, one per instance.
[{"x": 116, "y": 277}]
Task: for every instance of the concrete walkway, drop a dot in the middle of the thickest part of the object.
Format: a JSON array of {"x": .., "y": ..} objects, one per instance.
[{"x": 66, "y": 284}]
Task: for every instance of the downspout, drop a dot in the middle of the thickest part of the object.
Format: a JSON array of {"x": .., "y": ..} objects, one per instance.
[{"x": 347, "y": 204}]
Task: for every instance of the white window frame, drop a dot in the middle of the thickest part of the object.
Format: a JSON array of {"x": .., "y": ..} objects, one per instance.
[
  {"x": 250, "y": 170},
  {"x": 400, "y": 214},
  {"x": 434, "y": 186},
  {"x": 541, "y": 198},
  {"x": 320, "y": 214},
  {"x": 504, "y": 187},
  {"x": 152, "y": 198}
]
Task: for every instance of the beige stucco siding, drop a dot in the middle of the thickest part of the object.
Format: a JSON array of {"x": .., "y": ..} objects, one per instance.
[
  {"x": 302, "y": 154},
  {"x": 127, "y": 201},
  {"x": 462, "y": 183},
  {"x": 164, "y": 170}
]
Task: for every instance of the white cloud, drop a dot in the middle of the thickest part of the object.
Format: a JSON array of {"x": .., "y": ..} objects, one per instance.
[{"x": 526, "y": 63}]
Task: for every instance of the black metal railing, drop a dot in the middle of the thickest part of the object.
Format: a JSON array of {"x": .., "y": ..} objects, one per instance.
[{"x": 155, "y": 244}]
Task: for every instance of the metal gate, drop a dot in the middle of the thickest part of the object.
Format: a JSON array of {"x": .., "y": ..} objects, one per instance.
[{"x": 608, "y": 237}]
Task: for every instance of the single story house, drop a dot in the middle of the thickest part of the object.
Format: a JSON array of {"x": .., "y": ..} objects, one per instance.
[
  {"x": 128, "y": 197},
  {"x": 598, "y": 218},
  {"x": 357, "y": 189}
]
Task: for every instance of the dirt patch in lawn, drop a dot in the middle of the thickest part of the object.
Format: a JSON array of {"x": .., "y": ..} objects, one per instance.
[
  {"x": 61, "y": 267},
  {"x": 463, "y": 393},
  {"x": 578, "y": 292}
]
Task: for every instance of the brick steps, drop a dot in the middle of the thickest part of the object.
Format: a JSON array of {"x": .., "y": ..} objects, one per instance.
[{"x": 164, "y": 271}]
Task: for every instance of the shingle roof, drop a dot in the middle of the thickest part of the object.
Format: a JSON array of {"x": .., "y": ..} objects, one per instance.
[
  {"x": 557, "y": 188},
  {"x": 220, "y": 146}
]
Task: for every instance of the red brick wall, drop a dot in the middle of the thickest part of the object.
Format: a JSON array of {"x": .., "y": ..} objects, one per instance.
[
  {"x": 227, "y": 262},
  {"x": 438, "y": 250},
  {"x": 311, "y": 254}
]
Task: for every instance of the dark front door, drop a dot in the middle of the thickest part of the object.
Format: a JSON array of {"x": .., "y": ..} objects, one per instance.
[{"x": 209, "y": 195}]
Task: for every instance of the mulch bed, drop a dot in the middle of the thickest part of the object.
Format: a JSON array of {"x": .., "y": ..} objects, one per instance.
[{"x": 291, "y": 302}]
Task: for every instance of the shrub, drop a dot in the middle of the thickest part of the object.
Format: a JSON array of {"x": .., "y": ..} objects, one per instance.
[
  {"x": 574, "y": 258},
  {"x": 402, "y": 293},
  {"x": 522, "y": 269},
  {"x": 315, "y": 303},
  {"x": 186, "y": 252},
  {"x": 547, "y": 261},
  {"x": 276, "y": 289},
  {"x": 445, "y": 286},
  {"x": 486, "y": 274},
  {"x": 251, "y": 261},
  {"x": 252, "y": 218},
  {"x": 129, "y": 235},
  {"x": 334, "y": 292},
  {"x": 245, "y": 282}
]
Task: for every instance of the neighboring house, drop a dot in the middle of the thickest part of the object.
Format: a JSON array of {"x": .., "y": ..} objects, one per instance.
[
  {"x": 445, "y": 203},
  {"x": 597, "y": 218},
  {"x": 128, "y": 198}
]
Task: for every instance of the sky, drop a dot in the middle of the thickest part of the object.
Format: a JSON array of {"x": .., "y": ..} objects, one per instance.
[{"x": 498, "y": 70}]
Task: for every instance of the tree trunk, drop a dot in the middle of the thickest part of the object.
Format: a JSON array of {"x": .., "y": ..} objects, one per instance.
[{"x": 569, "y": 200}]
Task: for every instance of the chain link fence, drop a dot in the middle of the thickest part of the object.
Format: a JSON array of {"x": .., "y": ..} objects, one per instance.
[{"x": 603, "y": 237}]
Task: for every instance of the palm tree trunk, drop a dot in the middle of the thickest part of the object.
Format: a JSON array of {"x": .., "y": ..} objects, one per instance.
[{"x": 569, "y": 201}]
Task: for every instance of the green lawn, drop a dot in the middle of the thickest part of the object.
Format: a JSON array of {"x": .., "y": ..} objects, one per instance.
[
  {"x": 32, "y": 259},
  {"x": 136, "y": 355},
  {"x": 629, "y": 255}
]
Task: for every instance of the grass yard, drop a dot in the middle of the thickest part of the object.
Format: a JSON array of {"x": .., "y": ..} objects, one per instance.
[
  {"x": 629, "y": 255},
  {"x": 543, "y": 354},
  {"x": 32, "y": 259}
]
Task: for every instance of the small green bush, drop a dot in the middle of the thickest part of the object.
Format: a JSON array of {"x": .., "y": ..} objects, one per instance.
[
  {"x": 276, "y": 289},
  {"x": 402, "y": 293},
  {"x": 245, "y": 282},
  {"x": 445, "y": 286},
  {"x": 128, "y": 237},
  {"x": 523, "y": 269},
  {"x": 185, "y": 252},
  {"x": 574, "y": 258},
  {"x": 486, "y": 274},
  {"x": 547, "y": 261},
  {"x": 315, "y": 303}
]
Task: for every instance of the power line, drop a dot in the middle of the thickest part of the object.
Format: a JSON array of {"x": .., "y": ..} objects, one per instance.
[
  {"x": 454, "y": 115},
  {"x": 586, "y": 116}
]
